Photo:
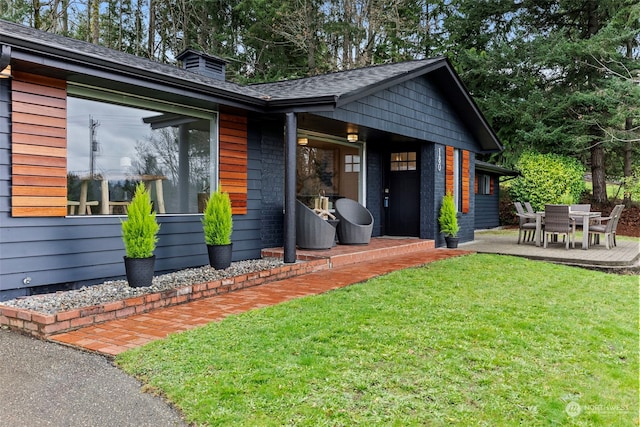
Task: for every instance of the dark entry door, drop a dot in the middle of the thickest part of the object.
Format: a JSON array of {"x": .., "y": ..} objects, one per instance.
[{"x": 402, "y": 194}]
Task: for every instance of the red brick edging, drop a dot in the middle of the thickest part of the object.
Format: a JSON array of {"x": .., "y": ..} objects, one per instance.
[{"x": 44, "y": 325}]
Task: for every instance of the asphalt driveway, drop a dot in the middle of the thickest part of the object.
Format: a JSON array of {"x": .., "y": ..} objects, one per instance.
[{"x": 46, "y": 384}]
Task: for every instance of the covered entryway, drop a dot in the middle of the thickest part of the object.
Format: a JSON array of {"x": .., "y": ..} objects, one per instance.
[{"x": 401, "y": 198}]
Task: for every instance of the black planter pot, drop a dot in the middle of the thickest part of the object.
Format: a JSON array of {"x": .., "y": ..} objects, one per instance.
[
  {"x": 139, "y": 271},
  {"x": 452, "y": 242},
  {"x": 220, "y": 256}
]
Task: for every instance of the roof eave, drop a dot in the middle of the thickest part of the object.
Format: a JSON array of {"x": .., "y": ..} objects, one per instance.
[{"x": 71, "y": 61}]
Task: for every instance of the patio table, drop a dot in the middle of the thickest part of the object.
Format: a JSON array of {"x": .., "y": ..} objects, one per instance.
[{"x": 586, "y": 219}]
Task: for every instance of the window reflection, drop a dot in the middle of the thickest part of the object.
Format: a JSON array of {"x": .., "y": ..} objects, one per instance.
[
  {"x": 110, "y": 148},
  {"x": 326, "y": 169}
]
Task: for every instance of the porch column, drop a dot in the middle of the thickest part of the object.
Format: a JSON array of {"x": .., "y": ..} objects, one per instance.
[{"x": 290, "y": 188}]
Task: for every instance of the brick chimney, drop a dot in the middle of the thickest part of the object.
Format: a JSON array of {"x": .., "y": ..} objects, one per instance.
[{"x": 201, "y": 63}]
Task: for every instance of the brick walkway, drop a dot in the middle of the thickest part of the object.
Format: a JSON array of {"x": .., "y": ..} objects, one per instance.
[{"x": 116, "y": 336}]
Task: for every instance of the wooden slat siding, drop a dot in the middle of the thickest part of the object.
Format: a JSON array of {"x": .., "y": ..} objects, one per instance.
[
  {"x": 491, "y": 184},
  {"x": 233, "y": 160},
  {"x": 39, "y": 146},
  {"x": 449, "y": 169},
  {"x": 475, "y": 189},
  {"x": 466, "y": 180}
]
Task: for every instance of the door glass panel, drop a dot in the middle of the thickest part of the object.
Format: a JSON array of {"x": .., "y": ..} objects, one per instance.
[{"x": 403, "y": 161}]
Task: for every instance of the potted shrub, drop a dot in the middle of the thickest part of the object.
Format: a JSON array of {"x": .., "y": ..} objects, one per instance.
[
  {"x": 449, "y": 221},
  {"x": 139, "y": 234},
  {"x": 217, "y": 224}
]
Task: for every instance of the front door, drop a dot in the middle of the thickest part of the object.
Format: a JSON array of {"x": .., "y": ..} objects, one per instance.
[{"x": 401, "y": 198}]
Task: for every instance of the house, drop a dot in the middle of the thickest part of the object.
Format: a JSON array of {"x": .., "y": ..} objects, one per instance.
[
  {"x": 487, "y": 193},
  {"x": 80, "y": 124}
]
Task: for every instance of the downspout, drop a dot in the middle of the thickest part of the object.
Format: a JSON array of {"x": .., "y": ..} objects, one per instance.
[{"x": 290, "y": 188}]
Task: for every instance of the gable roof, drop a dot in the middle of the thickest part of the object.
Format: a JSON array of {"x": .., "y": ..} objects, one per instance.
[
  {"x": 342, "y": 85},
  {"x": 327, "y": 91}
]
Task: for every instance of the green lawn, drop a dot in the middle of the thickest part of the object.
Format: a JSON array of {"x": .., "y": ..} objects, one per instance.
[{"x": 475, "y": 340}]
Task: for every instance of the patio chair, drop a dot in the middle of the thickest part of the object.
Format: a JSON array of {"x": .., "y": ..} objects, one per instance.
[
  {"x": 356, "y": 222},
  {"x": 557, "y": 221},
  {"x": 608, "y": 229},
  {"x": 585, "y": 207},
  {"x": 312, "y": 231},
  {"x": 528, "y": 207},
  {"x": 527, "y": 224}
]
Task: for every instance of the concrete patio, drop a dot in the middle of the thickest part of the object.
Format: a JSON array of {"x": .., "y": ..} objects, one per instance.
[{"x": 626, "y": 255}]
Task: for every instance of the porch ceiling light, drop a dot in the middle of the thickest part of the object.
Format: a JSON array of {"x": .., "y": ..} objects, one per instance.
[
  {"x": 352, "y": 137},
  {"x": 6, "y": 73},
  {"x": 303, "y": 141}
]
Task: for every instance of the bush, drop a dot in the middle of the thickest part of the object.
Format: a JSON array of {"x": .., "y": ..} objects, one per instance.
[
  {"x": 548, "y": 179},
  {"x": 217, "y": 221},
  {"x": 140, "y": 229},
  {"x": 448, "y": 216}
]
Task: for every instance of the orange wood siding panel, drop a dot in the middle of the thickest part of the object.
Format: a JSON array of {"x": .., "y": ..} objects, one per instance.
[
  {"x": 491, "y": 184},
  {"x": 449, "y": 170},
  {"x": 233, "y": 160},
  {"x": 38, "y": 145},
  {"x": 475, "y": 190},
  {"x": 466, "y": 180}
]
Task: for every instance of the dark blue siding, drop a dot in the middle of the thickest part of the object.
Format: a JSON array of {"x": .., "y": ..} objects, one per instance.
[
  {"x": 272, "y": 158},
  {"x": 415, "y": 109},
  {"x": 428, "y": 189},
  {"x": 76, "y": 251},
  {"x": 488, "y": 208}
]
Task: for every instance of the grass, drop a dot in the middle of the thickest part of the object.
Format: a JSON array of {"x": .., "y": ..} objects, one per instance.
[{"x": 474, "y": 340}]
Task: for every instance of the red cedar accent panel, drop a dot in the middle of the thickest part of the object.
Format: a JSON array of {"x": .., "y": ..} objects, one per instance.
[
  {"x": 449, "y": 170},
  {"x": 233, "y": 160},
  {"x": 466, "y": 180},
  {"x": 475, "y": 183},
  {"x": 38, "y": 146},
  {"x": 491, "y": 184}
]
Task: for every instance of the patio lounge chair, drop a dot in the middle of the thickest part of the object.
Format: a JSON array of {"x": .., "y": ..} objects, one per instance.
[
  {"x": 356, "y": 222},
  {"x": 557, "y": 221},
  {"x": 312, "y": 231},
  {"x": 527, "y": 224},
  {"x": 608, "y": 229}
]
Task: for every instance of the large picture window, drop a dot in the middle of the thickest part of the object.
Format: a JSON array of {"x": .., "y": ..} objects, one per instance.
[{"x": 111, "y": 147}]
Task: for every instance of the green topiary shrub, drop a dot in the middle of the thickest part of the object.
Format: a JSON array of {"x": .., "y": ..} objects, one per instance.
[
  {"x": 548, "y": 179},
  {"x": 217, "y": 221},
  {"x": 140, "y": 229},
  {"x": 448, "y": 218}
]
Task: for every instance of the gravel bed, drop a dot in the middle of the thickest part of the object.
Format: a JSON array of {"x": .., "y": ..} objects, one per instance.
[{"x": 119, "y": 289}]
